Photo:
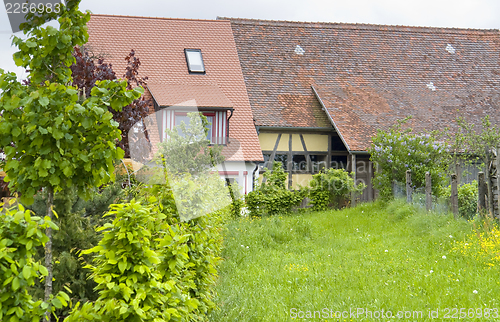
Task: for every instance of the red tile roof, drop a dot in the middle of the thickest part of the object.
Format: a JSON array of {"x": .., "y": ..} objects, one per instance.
[
  {"x": 159, "y": 43},
  {"x": 368, "y": 76}
]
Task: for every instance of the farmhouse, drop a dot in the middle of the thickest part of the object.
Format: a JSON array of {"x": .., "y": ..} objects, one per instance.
[
  {"x": 320, "y": 91},
  {"x": 191, "y": 65}
]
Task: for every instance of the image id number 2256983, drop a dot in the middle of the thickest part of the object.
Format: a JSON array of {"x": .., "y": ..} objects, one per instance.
[{"x": 32, "y": 7}]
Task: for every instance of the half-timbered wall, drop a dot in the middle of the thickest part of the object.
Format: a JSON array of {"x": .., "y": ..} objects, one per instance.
[{"x": 304, "y": 154}]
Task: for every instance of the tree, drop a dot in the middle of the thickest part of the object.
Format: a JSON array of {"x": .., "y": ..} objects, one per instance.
[
  {"x": 77, "y": 219},
  {"x": 189, "y": 162},
  {"x": 187, "y": 149},
  {"x": 398, "y": 150},
  {"x": 90, "y": 68},
  {"x": 53, "y": 140}
]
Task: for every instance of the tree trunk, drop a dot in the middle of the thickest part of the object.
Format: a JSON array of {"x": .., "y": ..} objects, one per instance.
[{"x": 48, "y": 254}]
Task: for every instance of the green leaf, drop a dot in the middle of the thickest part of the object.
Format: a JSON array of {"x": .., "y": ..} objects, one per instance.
[
  {"x": 79, "y": 109},
  {"x": 57, "y": 303},
  {"x": 54, "y": 180},
  {"x": 19, "y": 215},
  {"x": 71, "y": 91},
  {"x": 16, "y": 132},
  {"x": 43, "y": 270},
  {"x": 16, "y": 283},
  {"x": 68, "y": 172},
  {"x": 18, "y": 60},
  {"x": 19, "y": 313},
  {"x": 86, "y": 123},
  {"x": 44, "y": 101},
  {"x": 26, "y": 272},
  {"x": 57, "y": 134},
  {"x": 51, "y": 31},
  {"x": 122, "y": 266},
  {"x": 31, "y": 44},
  {"x": 5, "y": 128},
  {"x": 46, "y": 164},
  {"x": 31, "y": 232}
]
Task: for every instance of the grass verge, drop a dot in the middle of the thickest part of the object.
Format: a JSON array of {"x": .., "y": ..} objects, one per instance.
[{"x": 374, "y": 257}]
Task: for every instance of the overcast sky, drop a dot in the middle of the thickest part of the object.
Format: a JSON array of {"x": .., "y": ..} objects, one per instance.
[{"x": 483, "y": 14}]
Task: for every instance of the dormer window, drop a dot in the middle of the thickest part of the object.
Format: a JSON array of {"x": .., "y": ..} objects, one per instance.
[{"x": 194, "y": 61}]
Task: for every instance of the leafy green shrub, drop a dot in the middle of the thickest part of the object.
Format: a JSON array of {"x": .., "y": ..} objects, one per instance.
[
  {"x": 331, "y": 188},
  {"x": 129, "y": 284},
  {"x": 190, "y": 252},
  {"x": 398, "y": 150},
  {"x": 467, "y": 199},
  {"x": 237, "y": 202},
  {"x": 272, "y": 197},
  {"x": 151, "y": 265},
  {"x": 20, "y": 235}
]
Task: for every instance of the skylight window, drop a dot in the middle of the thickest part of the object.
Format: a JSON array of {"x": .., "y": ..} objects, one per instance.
[{"x": 194, "y": 60}]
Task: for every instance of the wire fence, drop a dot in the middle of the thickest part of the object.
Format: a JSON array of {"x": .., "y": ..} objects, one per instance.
[{"x": 419, "y": 198}]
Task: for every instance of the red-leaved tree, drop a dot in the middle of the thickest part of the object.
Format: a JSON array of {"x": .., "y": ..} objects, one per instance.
[{"x": 91, "y": 67}]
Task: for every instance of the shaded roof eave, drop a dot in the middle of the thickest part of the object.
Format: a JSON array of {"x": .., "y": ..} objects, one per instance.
[
  {"x": 297, "y": 128},
  {"x": 331, "y": 119}
]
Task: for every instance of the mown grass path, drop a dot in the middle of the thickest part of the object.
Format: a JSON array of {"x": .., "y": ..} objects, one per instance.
[{"x": 373, "y": 257}]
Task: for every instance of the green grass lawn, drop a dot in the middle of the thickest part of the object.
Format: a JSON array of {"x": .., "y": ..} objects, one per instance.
[{"x": 373, "y": 257}]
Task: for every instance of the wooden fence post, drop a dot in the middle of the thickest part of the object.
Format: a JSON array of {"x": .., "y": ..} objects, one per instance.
[
  {"x": 353, "y": 170},
  {"x": 290, "y": 162},
  {"x": 498, "y": 181},
  {"x": 409, "y": 189},
  {"x": 454, "y": 194},
  {"x": 428, "y": 191},
  {"x": 482, "y": 191}
]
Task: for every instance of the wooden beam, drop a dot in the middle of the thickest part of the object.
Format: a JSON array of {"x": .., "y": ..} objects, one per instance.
[
  {"x": 273, "y": 154},
  {"x": 308, "y": 157},
  {"x": 271, "y": 158},
  {"x": 329, "y": 156}
]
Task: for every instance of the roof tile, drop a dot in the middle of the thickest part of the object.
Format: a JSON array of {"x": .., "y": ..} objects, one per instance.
[
  {"x": 159, "y": 43},
  {"x": 368, "y": 76}
]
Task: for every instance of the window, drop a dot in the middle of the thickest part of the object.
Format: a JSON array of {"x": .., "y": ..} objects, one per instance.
[
  {"x": 184, "y": 118},
  {"x": 299, "y": 162},
  {"x": 338, "y": 162},
  {"x": 210, "y": 120},
  {"x": 319, "y": 162},
  {"x": 337, "y": 144},
  {"x": 181, "y": 119},
  {"x": 283, "y": 158},
  {"x": 194, "y": 60}
]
